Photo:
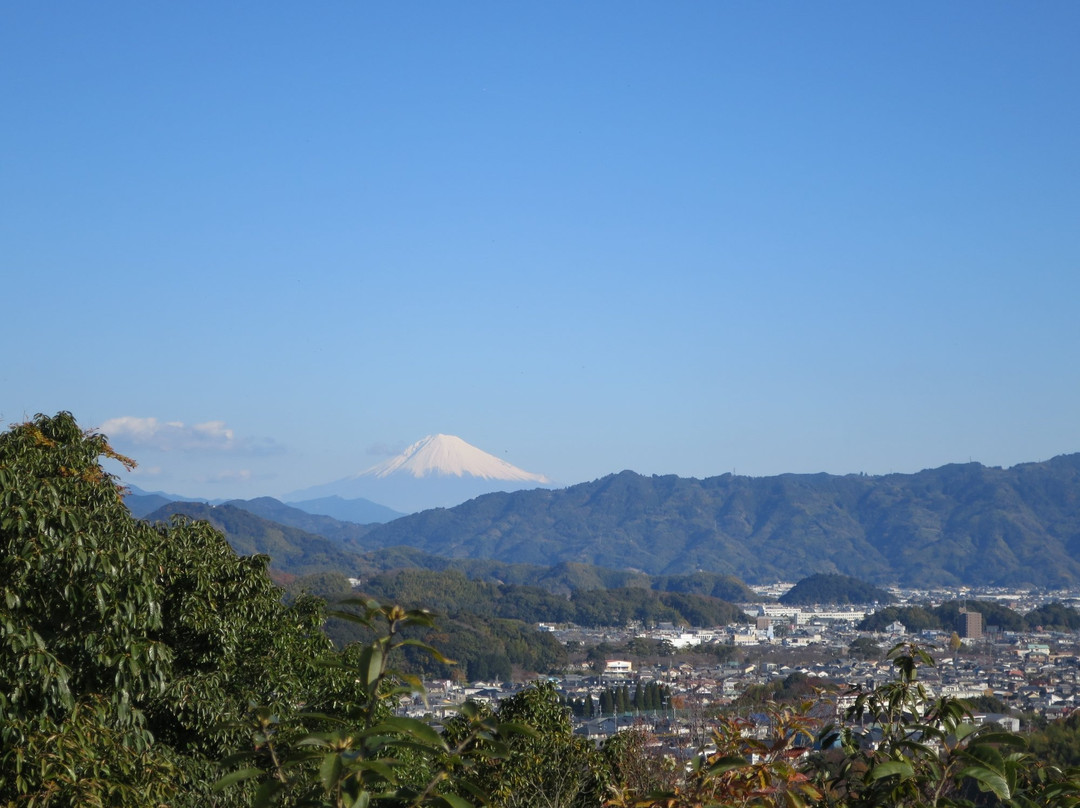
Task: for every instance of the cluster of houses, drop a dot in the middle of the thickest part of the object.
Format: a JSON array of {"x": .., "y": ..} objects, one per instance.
[{"x": 1036, "y": 674}]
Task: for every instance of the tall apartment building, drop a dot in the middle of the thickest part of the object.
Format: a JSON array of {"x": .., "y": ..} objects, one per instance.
[{"x": 971, "y": 625}]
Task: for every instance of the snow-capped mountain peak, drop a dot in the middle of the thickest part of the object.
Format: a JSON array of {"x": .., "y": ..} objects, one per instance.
[
  {"x": 439, "y": 471},
  {"x": 446, "y": 456}
]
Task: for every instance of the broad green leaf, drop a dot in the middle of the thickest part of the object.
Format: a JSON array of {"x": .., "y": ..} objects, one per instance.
[
  {"x": 371, "y": 661},
  {"x": 1003, "y": 739},
  {"x": 726, "y": 764},
  {"x": 238, "y": 776},
  {"x": 411, "y": 726},
  {"x": 964, "y": 729},
  {"x": 516, "y": 728},
  {"x": 330, "y": 771},
  {"x": 892, "y": 768},
  {"x": 988, "y": 780}
]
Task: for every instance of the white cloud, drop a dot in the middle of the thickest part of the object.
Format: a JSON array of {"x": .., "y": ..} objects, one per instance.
[{"x": 167, "y": 436}]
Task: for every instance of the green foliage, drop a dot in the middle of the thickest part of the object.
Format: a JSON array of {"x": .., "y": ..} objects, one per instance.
[
  {"x": 234, "y": 642},
  {"x": 134, "y": 657},
  {"x": 864, "y": 648},
  {"x": 794, "y": 688},
  {"x": 710, "y": 584},
  {"x": 650, "y": 697},
  {"x": 1058, "y": 743},
  {"x": 545, "y": 767},
  {"x": 489, "y": 627},
  {"x": 488, "y": 648},
  {"x": 80, "y": 614},
  {"x": 636, "y": 767},
  {"x": 1053, "y": 617},
  {"x": 452, "y": 593},
  {"x": 360, "y": 754},
  {"x": 126, "y": 649}
]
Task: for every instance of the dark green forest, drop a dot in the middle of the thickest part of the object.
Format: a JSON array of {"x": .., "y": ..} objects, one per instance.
[
  {"x": 450, "y": 592},
  {"x": 833, "y": 589}
]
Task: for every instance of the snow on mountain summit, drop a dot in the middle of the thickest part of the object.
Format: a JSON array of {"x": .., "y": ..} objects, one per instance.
[
  {"x": 439, "y": 471},
  {"x": 448, "y": 455}
]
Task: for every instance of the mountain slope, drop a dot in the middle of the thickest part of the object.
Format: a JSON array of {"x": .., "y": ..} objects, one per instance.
[
  {"x": 361, "y": 511},
  {"x": 448, "y": 455},
  {"x": 957, "y": 524},
  {"x": 347, "y": 534},
  {"x": 290, "y": 550},
  {"x": 436, "y": 472}
]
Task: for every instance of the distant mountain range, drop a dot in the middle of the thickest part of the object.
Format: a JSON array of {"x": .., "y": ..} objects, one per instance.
[
  {"x": 958, "y": 524},
  {"x": 439, "y": 471},
  {"x": 291, "y": 549},
  {"x": 299, "y": 543},
  {"x": 359, "y": 511},
  {"x": 963, "y": 524}
]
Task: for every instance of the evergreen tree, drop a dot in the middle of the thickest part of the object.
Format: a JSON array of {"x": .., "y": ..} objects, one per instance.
[{"x": 607, "y": 702}]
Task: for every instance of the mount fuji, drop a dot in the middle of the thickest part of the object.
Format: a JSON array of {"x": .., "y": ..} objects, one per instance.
[{"x": 438, "y": 471}]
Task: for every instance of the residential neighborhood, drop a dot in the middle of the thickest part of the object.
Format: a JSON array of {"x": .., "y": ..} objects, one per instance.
[{"x": 1010, "y": 678}]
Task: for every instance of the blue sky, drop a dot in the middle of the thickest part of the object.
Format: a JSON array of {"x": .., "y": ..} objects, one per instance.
[{"x": 686, "y": 238}]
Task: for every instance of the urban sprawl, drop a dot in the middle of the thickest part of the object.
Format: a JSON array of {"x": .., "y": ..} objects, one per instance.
[{"x": 1030, "y": 676}]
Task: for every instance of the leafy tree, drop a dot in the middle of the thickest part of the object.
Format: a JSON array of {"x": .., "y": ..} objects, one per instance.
[
  {"x": 794, "y": 688},
  {"x": 636, "y": 768},
  {"x": 955, "y": 643},
  {"x": 549, "y": 767},
  {"x": 361, "y": 754},
  {"x": 864, "y": 648},
  {"x": 80, "y": 616},
  {"x": 1058, "y": 743},
  {"x": 129, "y": 652}
]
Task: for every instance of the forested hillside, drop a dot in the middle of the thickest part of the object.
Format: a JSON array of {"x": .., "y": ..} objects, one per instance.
[
  {"x": 956, "y": 524},
  {"x": 451, "y": 592},
  {"x": 833, "y": 589}
]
